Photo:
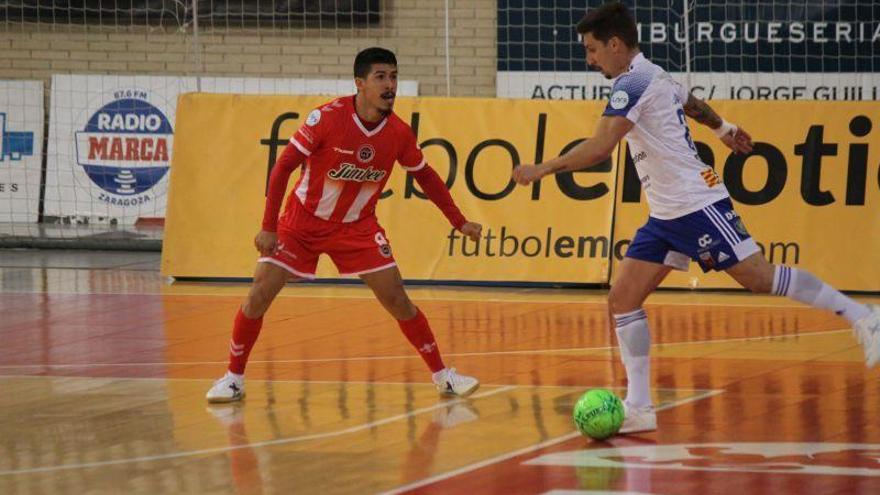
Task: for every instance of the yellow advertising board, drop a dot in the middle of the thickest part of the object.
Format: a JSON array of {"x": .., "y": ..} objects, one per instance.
[
  {"x": 557, "y": 231},
  {"x": 809, "y": 194}
]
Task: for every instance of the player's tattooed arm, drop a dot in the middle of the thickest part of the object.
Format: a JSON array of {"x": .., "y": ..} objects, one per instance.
[
  {"x": 700, "y": 111},
  {"x": 734, "y": 137}
]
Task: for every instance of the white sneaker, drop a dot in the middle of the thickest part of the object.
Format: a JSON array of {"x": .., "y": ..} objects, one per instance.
[
  {"x": 867, "y": 332},
  {"x": 230, "y": 388},
  {"x": 449, "y": 382},
  {"x": 637, "y": 420}
]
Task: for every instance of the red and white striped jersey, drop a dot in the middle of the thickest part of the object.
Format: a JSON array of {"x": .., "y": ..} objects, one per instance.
[{"x": 347, "y": 165}]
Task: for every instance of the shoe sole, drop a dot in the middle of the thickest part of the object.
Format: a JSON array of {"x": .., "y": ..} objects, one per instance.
[
  {"x": 224, "y": 400},
  {"x": 643, "y": 430},
  {"x": 639, "y": 429},
  {"x": 465, "y": 394}
]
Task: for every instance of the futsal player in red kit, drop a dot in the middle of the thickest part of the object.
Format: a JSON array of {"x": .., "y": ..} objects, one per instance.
[{"x": 347, "y": 149}]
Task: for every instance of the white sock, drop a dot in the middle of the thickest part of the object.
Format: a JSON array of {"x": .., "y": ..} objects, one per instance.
[
  {"x": 635, "y": 345},
  {"x": 802, "y": 286}
]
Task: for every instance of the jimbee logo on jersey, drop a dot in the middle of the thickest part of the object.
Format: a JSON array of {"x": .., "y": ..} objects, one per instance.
[
  {"x": 365, "y": 153},
  {"x": 125, "y": 148}
]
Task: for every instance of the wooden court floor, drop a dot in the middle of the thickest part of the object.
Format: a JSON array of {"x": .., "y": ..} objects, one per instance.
[{"x": 104, "y": 366}]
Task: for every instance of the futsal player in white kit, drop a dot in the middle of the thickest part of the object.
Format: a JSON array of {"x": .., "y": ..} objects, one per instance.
[{"x": 691, "y": 215}]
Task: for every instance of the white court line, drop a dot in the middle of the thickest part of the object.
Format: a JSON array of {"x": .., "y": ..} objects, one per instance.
[
  {"x": 321, "y": 382},
  {"x": 414, "y": 293},
  {"x": 525, "y": 450},
  {"x": 408, "y": 356},
  {"x": 279, "y": 441}
]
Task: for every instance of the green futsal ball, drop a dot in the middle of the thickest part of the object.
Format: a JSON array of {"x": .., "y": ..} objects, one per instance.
[{"x": 598, "y": 414}]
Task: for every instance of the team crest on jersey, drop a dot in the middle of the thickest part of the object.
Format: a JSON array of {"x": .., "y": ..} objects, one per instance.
[
  {"x": 706, "y": 258},
  {"x": 385, "y": 250},
  {"x": 366, "y": 153},
  {"x": 382, "y": 242},
  {"x": 313, "y": 118}
]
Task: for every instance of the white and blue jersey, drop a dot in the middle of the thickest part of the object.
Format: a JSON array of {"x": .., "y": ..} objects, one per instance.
[{"x": 691, "y": 215}]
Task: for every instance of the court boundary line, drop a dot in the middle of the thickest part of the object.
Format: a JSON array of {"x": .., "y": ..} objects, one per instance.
[
  {"x": 406, "y": 357},
  {"x": 414, "y": 292},
  {"x": 525, "y": 450},
  {"x": 332, "y": 382},
  {"x": 266, "y": 443},
  {"x": 702, "y": 394}
]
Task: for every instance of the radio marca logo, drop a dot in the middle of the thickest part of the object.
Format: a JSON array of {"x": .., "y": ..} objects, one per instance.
[{"x": 125, "y": 148}]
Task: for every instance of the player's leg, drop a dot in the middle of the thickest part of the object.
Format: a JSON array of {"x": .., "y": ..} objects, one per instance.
[
  {"x": 387, "y": 285},
  {"x": 635, "y": 281},
  {"x": 758, "y": 275},
  {"x": 362, "y": 249},
  {"x": 726, "y": 245},
  {"x": 292, "y": 260},
  {"x": 649, "y": 258},
  {"x": 269, "y": 279}
]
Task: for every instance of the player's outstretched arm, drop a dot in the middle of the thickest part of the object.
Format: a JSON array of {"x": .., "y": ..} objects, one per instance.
[
  {"x": 734, "y": 137},
  {"x": 587, "y": 153},
  {"x": 436, "y": 190}
]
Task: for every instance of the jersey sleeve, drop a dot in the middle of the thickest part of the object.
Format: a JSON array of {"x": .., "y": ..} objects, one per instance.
[
  {"x": 410, "y": 157},
  {"x": 682, "y": 92},
  {"x": 278, "y": 179},
  {"x": 309, "y": 136},
  {"x": 627, "y": 96}
]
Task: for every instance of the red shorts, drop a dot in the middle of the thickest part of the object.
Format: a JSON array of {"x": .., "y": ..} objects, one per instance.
[{"x": 356, "y": 248}]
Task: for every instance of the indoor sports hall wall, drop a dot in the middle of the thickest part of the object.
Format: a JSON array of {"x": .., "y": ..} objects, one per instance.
[
  {"x": 809, "y": 194},
  {"x": 57, "y": 40},
  {"x": 755, "y": 49}
]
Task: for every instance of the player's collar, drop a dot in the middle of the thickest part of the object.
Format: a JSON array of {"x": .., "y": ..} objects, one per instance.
[
  {"x": 638, "y": 59},
  {"x": 361, "y": 126}
]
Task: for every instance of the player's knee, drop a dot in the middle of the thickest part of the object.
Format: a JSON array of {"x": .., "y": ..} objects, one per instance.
[
  {"x": 258, "y": 300},
  {"x": 253, "y": 309},
  {"x": 617, "y": 300}
]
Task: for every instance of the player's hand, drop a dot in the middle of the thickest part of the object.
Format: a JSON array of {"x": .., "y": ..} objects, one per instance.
[
  {"x": 265, "y": 242},
  {"x": 739, "y": 141},
  {"x": 472, "y": 230},
  {"x": 526, "y": 174}
]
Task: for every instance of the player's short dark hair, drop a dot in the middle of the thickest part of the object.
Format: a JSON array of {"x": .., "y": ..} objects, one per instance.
[
  {"x": 609, "y": 20},
  {"x": 365, "y": 59}
]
